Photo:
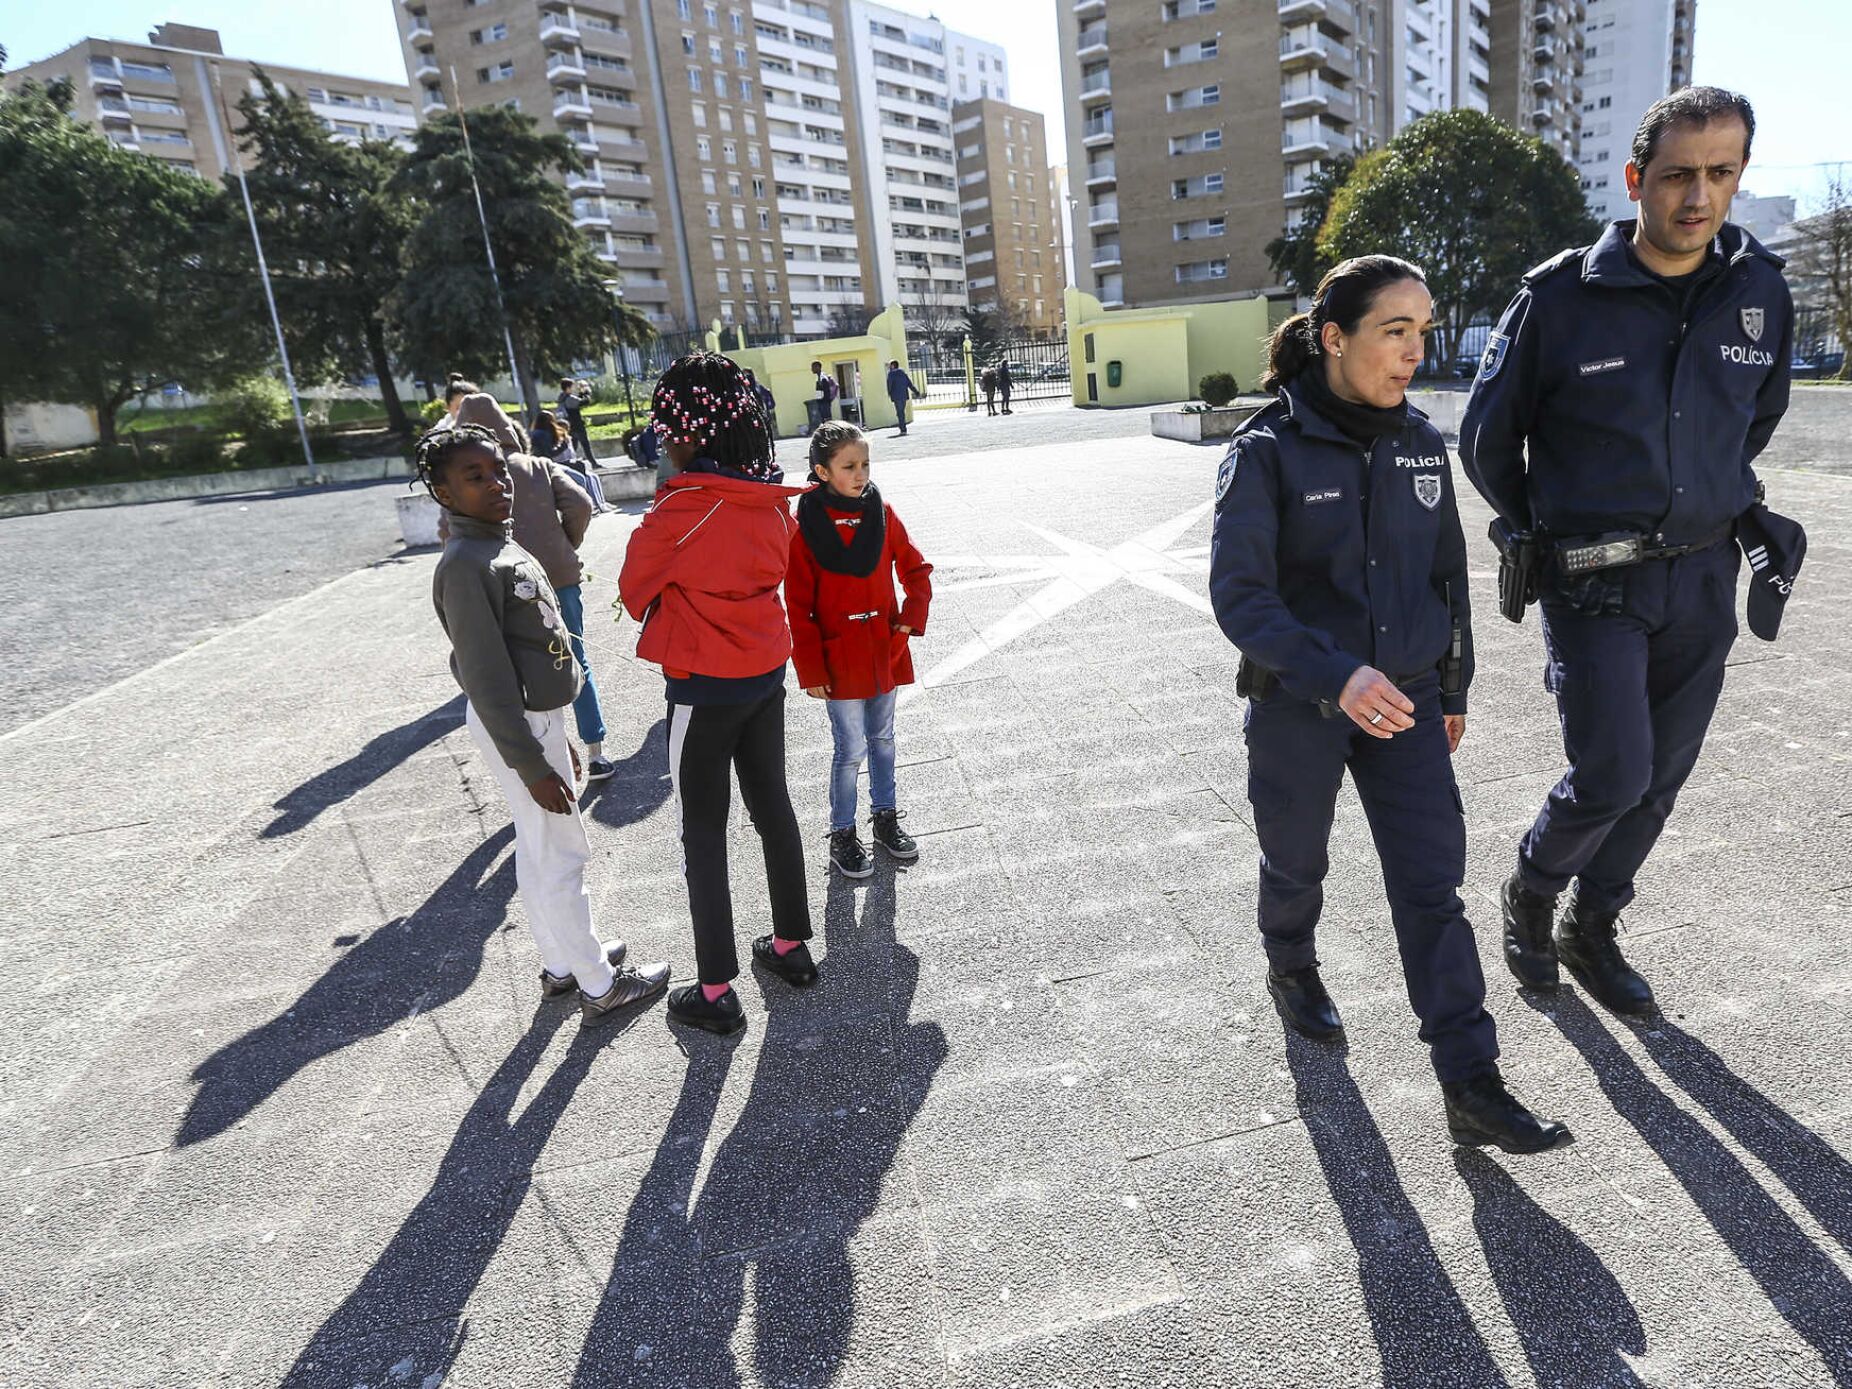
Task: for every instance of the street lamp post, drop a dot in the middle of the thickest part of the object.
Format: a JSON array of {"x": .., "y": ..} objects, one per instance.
[{"x": 623, "y": 358}]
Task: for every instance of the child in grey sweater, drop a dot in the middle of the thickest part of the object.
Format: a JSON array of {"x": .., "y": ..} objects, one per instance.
[{"x": 511, "y": 653}]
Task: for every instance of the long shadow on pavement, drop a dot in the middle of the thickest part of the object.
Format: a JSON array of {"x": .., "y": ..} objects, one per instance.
[
  {"x": 329, "y": 788},
  {"x": 639, "y": 786},
  {"x": 423, "y": 960},
  {"x": 788, "y": 1188},
  {"x": 416, "y": 1290},
  {"x": 1570, "y": 1312},
  {"x": 1424, "y": 1333},
  {"x": 1804, "y": 1285},
  {"x": 1817, "y": 1173}
]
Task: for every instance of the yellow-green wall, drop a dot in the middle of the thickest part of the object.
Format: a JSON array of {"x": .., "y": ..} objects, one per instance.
[
  {"x": 785, "y": 369},
  {"x": 1164, "y": 352}
]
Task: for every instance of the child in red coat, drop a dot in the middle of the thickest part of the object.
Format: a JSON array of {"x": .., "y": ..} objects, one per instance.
[
  {"x": 702, "y": 574},
  {"x": 850, "y": 638}
]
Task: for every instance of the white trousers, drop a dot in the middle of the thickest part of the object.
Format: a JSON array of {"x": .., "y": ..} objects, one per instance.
[{"x": 550, "y": 854}]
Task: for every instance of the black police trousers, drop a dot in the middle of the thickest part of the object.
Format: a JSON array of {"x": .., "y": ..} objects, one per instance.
[{"x": 1296, "y": 762}]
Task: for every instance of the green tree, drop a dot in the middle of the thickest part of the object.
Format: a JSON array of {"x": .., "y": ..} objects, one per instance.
[
  {"x": 1294, "y": 254},
  {"x": 334, "y": 228},
  {"x": 122, "y": 273},
  {"x": 1469, "y": 199},
  {"x": 558, "y": 309}
]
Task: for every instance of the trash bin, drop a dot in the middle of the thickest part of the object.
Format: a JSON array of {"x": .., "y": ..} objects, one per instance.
[
  {"x": 1115, "y": 373},
  {"x": 851, "y": 410}
]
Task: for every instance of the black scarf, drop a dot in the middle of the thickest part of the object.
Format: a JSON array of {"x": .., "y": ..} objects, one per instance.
[
  {"x": 860, "y": 556},
  {"x": 1364, "y": 423}
]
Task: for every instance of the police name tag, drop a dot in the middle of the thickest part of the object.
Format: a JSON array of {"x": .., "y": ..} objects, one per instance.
[
  {"x": 1324, "y": 494},
  {"x": 1605, "y": 364}
]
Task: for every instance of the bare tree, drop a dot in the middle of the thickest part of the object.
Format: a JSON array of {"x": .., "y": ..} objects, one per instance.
[
  {"x": 1821, "y": 269},
  {"x": 849, "y": 320},
  {"x": 936, "y": 319}
]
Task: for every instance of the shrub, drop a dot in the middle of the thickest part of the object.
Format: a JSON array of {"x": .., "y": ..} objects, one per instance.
[
  {"x": 431, "y": 411},
  {"x": 255, "y": 405},
  {"x": 1218, "y": 388}
]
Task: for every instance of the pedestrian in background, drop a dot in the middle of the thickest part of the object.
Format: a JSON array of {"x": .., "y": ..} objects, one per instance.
[
  {"x": 851, "y": 638},
  {"x": 1005, "y": 383},
  {"x": 518, "y": 673},
  {"x": 900, "y": 389},
  {"x": 767, "y": 402},
  {"x": 823, "y": 398},
  {"x": 988, "y": 380},
  {"x": 570, "y": 407},
  {"x": 1338, "y": 567}
]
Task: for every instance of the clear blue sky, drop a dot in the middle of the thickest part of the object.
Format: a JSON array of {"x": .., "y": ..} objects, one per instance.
[{"x": 1788, "y": 56}]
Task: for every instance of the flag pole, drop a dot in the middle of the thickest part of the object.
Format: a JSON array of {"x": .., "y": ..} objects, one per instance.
[{"x": 495, "y": 278}]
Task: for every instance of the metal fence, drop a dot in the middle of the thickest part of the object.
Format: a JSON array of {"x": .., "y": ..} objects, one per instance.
[{"x": 1038, "y": 371}]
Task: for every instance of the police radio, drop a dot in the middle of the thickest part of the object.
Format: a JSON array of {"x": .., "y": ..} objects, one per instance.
[{"x": 1453, "y": 664}]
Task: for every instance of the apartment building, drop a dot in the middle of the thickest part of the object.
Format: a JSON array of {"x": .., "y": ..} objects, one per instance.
[
  {"x": 1634, "y": 51},
  {"x": 1537, "y": 69},
  {"x": 1011, "y": 213},
  {"x": 1172, "y": 110},
  {"x": 162, "y": 97}
]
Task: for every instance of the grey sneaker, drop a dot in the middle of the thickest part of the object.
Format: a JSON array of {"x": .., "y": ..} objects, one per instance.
[
  {"x": 631, "y": 984},
  {"x": 558, "y": 985}
]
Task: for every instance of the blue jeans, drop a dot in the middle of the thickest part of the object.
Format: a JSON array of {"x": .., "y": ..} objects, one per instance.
[
  {"x": 862, "y": 728},
  {"x": 585, "y": 708}
]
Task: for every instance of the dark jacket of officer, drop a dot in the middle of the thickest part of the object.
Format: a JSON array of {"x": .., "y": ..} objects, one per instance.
[
  {"x": 1643, "y": 405},
  {"x": 1326, "y": 558}
]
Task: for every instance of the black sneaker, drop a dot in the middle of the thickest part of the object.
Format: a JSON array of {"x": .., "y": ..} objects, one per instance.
[
  {"x": 795, "y": 967},
  {"x": 689, "y": 1005},
  {"x": 558, "y": 985},
  {"x": 600, "y": 770},
  {"x": 629, "y": 985},
  {"x": 890, "y": 836},
  {"x": 847, "y": 853}
]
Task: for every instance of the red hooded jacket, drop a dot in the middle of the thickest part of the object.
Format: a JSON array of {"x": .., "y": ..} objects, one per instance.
[
  {"x": 702, "y": 574},
  {"x": 843, "y": 627}
]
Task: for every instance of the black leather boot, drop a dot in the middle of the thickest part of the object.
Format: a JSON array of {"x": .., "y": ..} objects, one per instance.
[
  {"x": 1481, "y": 1111},
  {"x": 1300, "y": 999},
  {"x": 1585, "y": 939},
  {"x": 1529, "y": 951}
]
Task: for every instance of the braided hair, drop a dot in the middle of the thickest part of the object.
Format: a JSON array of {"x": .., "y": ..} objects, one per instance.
[
  {"x": 438, "y": 447},
  {"x": 704, "y": 399}
]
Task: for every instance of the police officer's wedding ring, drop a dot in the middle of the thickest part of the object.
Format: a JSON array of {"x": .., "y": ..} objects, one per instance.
[{"x": 1376, "y": 718}]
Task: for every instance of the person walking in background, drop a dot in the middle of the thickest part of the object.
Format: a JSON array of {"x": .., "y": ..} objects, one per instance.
[
  {"x": 900, "y": 389},
  {"x": 499, "y": 610},
  {"x": 1005, "y": 382},
  {"x": 1337, "y": 565},
  {"x": 551, "y": 515},
  {"x": 988, "y": 380},
  {"x": 851, "y": 639},
  {"x": 702, "y": 574},
  {"x": 823, "y": 398},
  {"x": 573, "y": 396},
  {"x": 767, "y": 402}
]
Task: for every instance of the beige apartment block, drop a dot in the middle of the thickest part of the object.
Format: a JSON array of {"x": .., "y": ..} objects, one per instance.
[
  {"x": 163, "y": 97},
  {"x": 1008, "y": 202},
  {"x": 1537, "y": 67}
]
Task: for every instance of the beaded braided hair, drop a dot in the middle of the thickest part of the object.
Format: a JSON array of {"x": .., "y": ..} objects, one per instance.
[
  {"x": 704, "y": 399},
  {"x": 437, "y": 447}
]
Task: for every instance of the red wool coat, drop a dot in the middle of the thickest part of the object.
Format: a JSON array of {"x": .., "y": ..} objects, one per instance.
[
  {"x": 709, "y": 559},
  {"x": 843, "y": 628}
]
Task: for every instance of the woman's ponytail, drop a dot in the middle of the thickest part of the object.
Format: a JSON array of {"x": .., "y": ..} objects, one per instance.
[{"x": 1289, "y": 350}]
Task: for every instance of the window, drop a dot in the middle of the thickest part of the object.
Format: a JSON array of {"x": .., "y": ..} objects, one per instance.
[
  {"x": 158, "y": 105},
  {"x": 742, "y": 251},
  {"x": 733, "y": 185},
  {"x": 739, "y": 219},
  {"x": 752, "y": 121},
  {"x": 178, "y": 137},
  {"x": 746, "y": 90},
  {"x": 501, "y": 72},
  {"x": 739, "y": 55},
  {"x": 752, "y": 155},
  {"x": 720, "y": 85},
  {"x": 694, "y": 80},
  {"x": 682, "y": 9},
  {"x": 704, "y": 147},
  {"x": 719, "y": 247},
  {"x": 765, "y": 253},
  {"x": 723, "y": 281},
  {"x": 715, "y": 54},
  {"x": 688, "y": 47},
  {"x": 758, "y": 189},
  {"x": 495, "y": 33},
  {"x": 699, "y": 110},
  {"x": 712, "y": 14},
  {"x": 707, "y": 182},
  {"x": 713, "y": 214},
  {"x": 154, "y": 72},
  {"x": 1199, "y": 270},
  {"x": 765, "y": 220},
  {"x": 739, "y": 24},
  {"x": 1212, "y": 139}
]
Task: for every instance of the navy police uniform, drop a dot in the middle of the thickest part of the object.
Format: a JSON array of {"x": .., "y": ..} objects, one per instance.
[
  {"x": 1641, "y": 401},
  {"x": 1328, "y": 556}
]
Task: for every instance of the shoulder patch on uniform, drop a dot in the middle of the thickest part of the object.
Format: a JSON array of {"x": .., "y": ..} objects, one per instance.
[
  {"x": 1553, "y": 264},
  {"x": 1496, "y": 346},
  {"x": 1225, "y": 475}
]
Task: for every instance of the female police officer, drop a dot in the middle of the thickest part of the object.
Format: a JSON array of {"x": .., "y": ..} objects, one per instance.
[{"x": 1339, "y": 569}]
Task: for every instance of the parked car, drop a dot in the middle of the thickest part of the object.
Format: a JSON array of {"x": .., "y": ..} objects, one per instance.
[
  {"x": 1050, "y": 371},
  {"x": 1814, "y": 366}
]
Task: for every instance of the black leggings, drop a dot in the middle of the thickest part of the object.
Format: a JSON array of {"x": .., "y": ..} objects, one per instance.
[{"x": 706, "y": 742}]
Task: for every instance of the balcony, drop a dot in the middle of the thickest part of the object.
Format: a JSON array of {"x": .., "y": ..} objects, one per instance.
[
  {"x": 633, "y": 219},
  {"x": 1543, "y": 84},
  {"x": 628, "y": 179},
  {"x": 1543, "y": 53},
  {"x": 1303, "y": 94},
  {"x": 1093, "y": 42},
  {"x": 434, "y": 100},
  {"x": 642, "y": 256},
  {"x": 1304, "y": 48},
  {"x": 1096, "y": 87},
  {"x": 427, "y": 66},
  {"x": 1542, "y": 118},
  {"x": 106, "y": 80},
  {"x": 1305, "y": 145},
  {"x": 571, "y": 103},
  {"x": 565, "y": 64},
  {"x": 1291, "y": 10},
  {"x": 1107, "y": 256},
  {"x": 1103, "y": 215},
  {"x": 419, "y": 29},
  {"x": 1545, "y": 18},
  {"x": 590, "y": 214},
  {"x": 1094, "y": 135},
  {"x": 1086, "y": 9},
  {"x": 582, "y": 138},
  {"x": 114, "y": 109},
  {"x": 558, "y": 28},
  {"x": 1102, "y": 172},
  {"x": 591, "y": 181}
]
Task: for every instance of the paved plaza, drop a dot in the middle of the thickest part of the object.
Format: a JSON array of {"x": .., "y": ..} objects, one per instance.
[{"x": 281, "y": 1105}]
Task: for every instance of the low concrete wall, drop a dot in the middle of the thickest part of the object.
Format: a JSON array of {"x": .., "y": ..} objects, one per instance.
[
  {"x": 1443, "y": 409},
  {"x": 169, "y": 489},
  {"x": 1194, "y": 427},
  {"x": 628, "y": 483}
]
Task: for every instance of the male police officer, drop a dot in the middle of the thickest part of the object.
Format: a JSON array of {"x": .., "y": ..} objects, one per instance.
[{"x": 1644, "y": 373}]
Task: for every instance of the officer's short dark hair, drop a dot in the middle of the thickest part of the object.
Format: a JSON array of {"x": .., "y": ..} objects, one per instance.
[{"x": 1697, "y": 106}]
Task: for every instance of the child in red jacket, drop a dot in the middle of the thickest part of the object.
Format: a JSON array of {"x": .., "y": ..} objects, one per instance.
[
  {"x": 850, "y": 638},
  {"x": 702, "y": 574}
]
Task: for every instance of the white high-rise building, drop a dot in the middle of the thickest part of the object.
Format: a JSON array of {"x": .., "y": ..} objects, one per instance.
[
  {"x": 1635, "y": 52},
  {"x": 907, "y": 72}
]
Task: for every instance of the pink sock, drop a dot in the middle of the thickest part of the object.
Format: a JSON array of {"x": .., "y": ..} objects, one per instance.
[
  {"x": 713, "y": 993},
  {"x": 784, "y": 947}
]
